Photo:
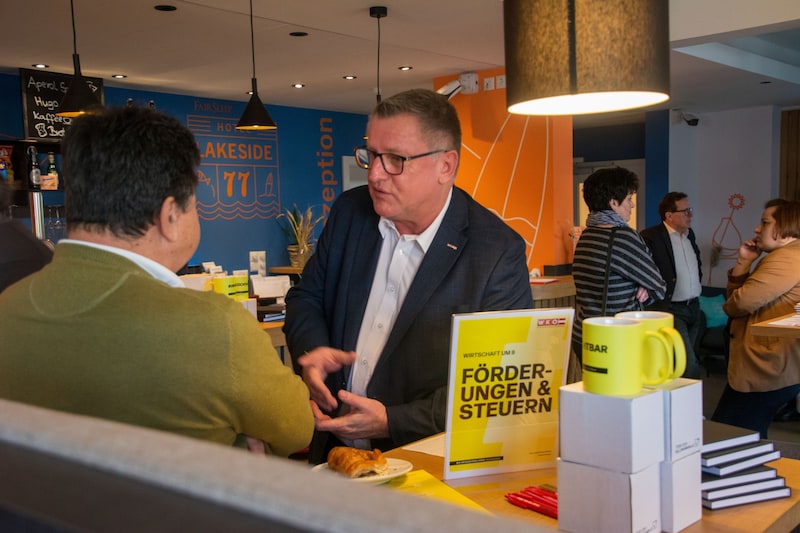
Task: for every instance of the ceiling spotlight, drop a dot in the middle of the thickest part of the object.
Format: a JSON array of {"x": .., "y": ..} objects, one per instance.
[
  {"x": 349, "y": 77},
  {"x": 119, "y": 76},
  {"x": 405, "y": 68},
  {"x": 40, "y": 65},
  {"x": 298, "y": 85},
  {"x": 298, "y": 34},
  {"x": 164, "y": 7}
]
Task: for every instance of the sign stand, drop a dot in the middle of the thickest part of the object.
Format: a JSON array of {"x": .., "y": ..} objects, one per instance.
[{"x": 505, "y": 371}]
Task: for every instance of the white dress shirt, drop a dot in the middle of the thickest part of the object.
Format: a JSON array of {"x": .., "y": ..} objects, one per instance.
[
  {"x": 687, "y": 276},
  {"x": 398, "y": 263}
]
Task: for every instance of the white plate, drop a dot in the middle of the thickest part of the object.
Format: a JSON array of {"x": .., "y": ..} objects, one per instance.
[{"x": 397, "y": 467}]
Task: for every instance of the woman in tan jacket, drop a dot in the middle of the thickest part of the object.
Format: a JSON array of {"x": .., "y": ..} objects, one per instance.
[{"x": 763, "y": 372}]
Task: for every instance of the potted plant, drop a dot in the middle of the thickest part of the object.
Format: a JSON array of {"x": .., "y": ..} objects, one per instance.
[{"x": 300, "y": 230}]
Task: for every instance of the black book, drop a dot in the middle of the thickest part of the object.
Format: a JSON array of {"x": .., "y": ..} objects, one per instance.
[
  {"x": 728, "y": 455},
  {"x": 753, "y": 497},
  {"x": 717, "y": 436},
  {"x": 274, "y": 317},
  {"x": 749, "y": 475},
  {"x": 741, "y": 464},
  {"x": 747, "y": 488}
]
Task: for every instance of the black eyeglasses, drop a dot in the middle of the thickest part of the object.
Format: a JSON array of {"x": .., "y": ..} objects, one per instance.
[
  {"x": 392, "y": 163},
  {"x": 689, "y": 211}
]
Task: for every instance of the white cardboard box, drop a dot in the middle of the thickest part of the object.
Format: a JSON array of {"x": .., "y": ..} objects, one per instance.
[
  {"x": 619, "y": 433},
  {"x": 683, "y": 417},
  {"x": 680, "y": 493},
  {"x": 198, "y": 282},
  {"x": 595, "y": 500},
  {"x": 271, "y": 286},
  {"x": 251, "y": 304}
]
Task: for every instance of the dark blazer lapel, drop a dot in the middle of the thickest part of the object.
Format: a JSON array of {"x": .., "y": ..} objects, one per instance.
[
  {"x": 693, "y": 240},
  {"x": 363, "y": 268}
]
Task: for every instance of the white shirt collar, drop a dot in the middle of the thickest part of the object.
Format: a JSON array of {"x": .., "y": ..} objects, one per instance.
[
  {"x": 425, "y": 238},
  {"x": 157, "y": 270}
]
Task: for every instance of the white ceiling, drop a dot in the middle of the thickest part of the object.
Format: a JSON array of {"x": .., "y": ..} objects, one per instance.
[{"x": 203, "y": 49}]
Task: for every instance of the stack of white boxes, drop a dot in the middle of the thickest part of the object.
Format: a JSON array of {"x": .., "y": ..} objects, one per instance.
[
  {"x": 680, "y": 472},
  {"x": 630, "y": 463}
]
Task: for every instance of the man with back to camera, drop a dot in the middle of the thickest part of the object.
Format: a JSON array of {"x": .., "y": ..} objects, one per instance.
[
  {"x": 396, "y": 259},
  {"x": 677, "y": 256},
  {"x": 108, "y": 330}
]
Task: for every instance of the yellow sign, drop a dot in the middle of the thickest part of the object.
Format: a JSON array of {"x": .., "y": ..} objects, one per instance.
[{"x": 505, "y": 371}]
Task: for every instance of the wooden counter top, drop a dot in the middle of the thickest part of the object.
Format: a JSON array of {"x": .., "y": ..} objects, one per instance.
[
  {"x": 275, "y": 331},
  {"x": 558, "y": 293},
  {"x": 769, "y": 330},
  {"x": 776, "y": 516}
]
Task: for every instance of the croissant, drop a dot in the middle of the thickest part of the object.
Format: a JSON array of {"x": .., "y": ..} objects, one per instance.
[{"x": 354, "y": 462}]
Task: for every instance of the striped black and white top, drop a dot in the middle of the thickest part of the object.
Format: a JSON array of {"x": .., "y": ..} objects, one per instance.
[{"x": 631, "y": 267}]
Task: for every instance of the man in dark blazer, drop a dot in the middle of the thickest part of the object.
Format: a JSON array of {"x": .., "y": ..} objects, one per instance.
[
  {"x": 371, "y": 316},
  {"x": 677, "y": 256}
]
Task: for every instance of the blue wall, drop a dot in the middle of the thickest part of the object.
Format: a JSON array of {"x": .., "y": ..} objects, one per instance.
[
  {"x": 656, "y": 163},
  {"x": 247, "y": 178}
]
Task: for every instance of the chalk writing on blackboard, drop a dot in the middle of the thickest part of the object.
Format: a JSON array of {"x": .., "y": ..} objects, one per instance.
[{"x": 41, "y": 93}]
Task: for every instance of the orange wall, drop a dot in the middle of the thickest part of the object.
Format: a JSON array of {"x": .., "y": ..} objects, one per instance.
[{"x": 519, "y": 167}]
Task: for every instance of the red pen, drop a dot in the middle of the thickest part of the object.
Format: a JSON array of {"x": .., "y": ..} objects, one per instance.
[
  {"x": 527, "y": 503},
  {"x": 539, "y": 494}
]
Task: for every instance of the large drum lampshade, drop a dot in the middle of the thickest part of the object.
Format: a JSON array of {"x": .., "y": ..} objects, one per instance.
[{"x": 572, "y": 57}]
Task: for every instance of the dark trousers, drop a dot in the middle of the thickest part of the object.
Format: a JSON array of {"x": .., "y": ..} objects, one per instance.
[
  {"x": 752, "y": 410},
  {"x": 686, "y": 317}
]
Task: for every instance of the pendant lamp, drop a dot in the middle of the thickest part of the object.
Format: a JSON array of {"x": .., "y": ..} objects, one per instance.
[
  {"x": 255, "y": 116},
  {"x": 577, "y": 57},
  {"x": 79, "y": 98},
  {"x": 378, "y": 12}
]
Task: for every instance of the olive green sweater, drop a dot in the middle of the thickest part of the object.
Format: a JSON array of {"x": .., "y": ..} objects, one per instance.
[{"x": 94, "y": 334}]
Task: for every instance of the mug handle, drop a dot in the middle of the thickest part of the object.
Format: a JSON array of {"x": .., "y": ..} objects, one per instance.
[
  {"x": 680, "y": 350},
  {"x": 665, "y": 367}
]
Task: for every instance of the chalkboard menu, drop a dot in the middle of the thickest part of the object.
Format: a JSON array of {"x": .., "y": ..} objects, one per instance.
[{"x": 41, "y": 93}]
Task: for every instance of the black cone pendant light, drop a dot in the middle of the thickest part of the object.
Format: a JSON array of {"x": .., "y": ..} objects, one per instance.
[
  {"x": 79, "y": 98},
  {"x": 378, "y": 12},
  {"x": 255, "y": 116}
]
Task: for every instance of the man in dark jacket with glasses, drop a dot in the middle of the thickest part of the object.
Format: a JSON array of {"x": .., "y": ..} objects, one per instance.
[{"x": 370, "y": 319}]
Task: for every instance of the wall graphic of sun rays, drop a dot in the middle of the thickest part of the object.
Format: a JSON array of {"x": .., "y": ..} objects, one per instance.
[{"x": 520, "y": 168}]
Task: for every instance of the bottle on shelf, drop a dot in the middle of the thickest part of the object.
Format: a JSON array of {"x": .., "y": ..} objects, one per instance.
[
  {"x": 49, "y": 179},
  {"x": 36, "y": 173}
]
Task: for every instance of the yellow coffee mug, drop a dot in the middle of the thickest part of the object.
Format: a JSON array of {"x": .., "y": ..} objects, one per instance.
[
  {"x": 224, "y": 285},
  {"x": 614, "y": 354},
  {"x": 241, "y": 285},
  {"x": 663, "y": 323}
]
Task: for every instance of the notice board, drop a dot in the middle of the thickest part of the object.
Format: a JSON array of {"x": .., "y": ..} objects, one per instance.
[{"x": 41, "y": 93}]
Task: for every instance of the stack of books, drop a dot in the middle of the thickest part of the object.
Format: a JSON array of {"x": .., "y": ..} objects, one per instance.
[{"x": 734, "y": 470}]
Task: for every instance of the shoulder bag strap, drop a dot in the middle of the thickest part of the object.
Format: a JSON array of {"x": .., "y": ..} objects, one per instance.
[{"x": 608, "y": 265}]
